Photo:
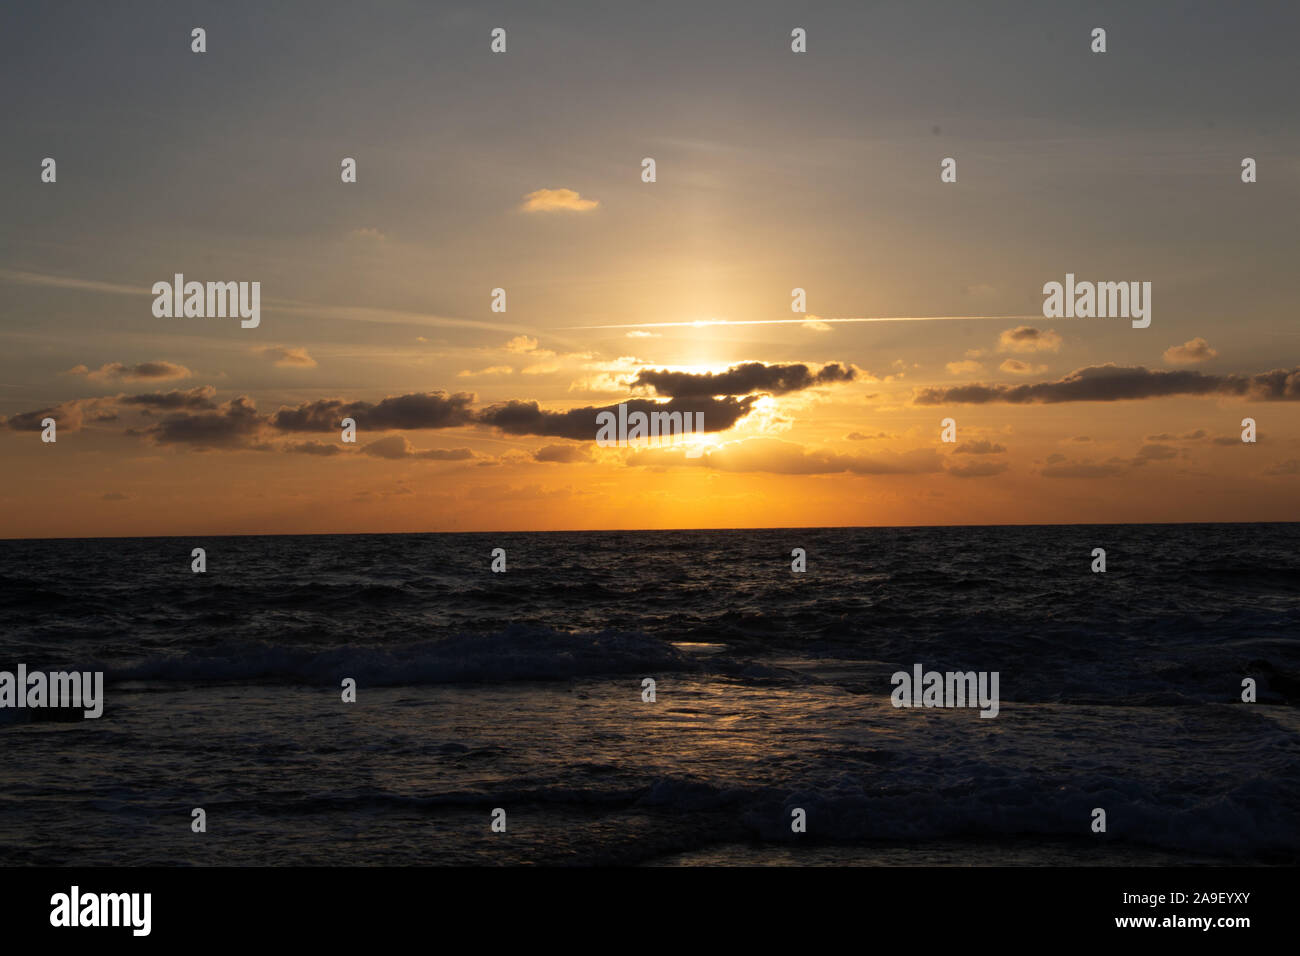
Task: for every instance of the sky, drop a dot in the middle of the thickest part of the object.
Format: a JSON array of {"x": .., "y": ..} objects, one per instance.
[{"x": 523, "y": 171}]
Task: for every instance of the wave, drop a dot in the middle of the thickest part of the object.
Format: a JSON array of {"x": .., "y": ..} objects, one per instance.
[
  {"x": 1252, "y": 820},
  {"x": 519, "y": 652}
]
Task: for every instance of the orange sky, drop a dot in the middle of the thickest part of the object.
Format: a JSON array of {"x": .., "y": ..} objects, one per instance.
[{"x": 524, "y": 173}]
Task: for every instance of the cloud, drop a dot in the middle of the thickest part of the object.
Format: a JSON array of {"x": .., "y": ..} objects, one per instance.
[
  {"x": 1188, "y": 436},
  {"x": 555, "y": 200},
  {"x": 1025, "y": 338},
  {"x": 114, "y": 496},
  {"x": 1017, "y": 367},
  {"x": 367, "y": 232},
  {"x": 1112, "y": 383},
  {"x": 286, "y": 357},
  {"x": 521, "y": 344},
  {"x": 1190, "y": 352},
  {"x": 195, "y": 398},
  {"x": 859, "y": 436},
  {"x": 67, "y": 415},
  {"x": 814, "y": 324},
  {"x": 397, "y": 447},
  {"x": 1291, "y": 467},
  {"x": 1156, "y": 453},
  {"x": 145, "y": 371},
  {"x": 610, "y": 377},
  {"x": 322, "y": 448},
  {"x": 981, "y": 447},
  {"x": 402, "y": 412},
  {"x": 490, "y": 370},
  {"x": 237, "y": 423},
  {"x": 232, "y": 425},
  {"x": 70, "y": 415},
  {"x": 787, "y": 458},
  {"x": 963, "y": 368},
  {"x": 742, "y": 379},
  {"x": 562, "y": 453},
  {"x": 527, "y": 418},
  {"x": 639, "y": 334}
]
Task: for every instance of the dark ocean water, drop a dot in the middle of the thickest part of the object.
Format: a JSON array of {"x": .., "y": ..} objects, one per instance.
[{"x": 522, "y": 691}]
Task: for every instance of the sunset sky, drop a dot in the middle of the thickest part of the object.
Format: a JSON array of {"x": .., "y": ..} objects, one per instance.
[{"x": 522, "y": 171}]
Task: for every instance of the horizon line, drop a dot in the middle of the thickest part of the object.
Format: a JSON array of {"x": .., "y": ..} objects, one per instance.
[{"x": 850, "y": 527}]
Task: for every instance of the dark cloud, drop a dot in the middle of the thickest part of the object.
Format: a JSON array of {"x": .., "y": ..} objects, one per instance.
[
  {"x": 1112, "y": 383},
  {"x": 323, "y": 415},
  {"x": 232, "y": 425},
  {"x": 238, "y": 424},
  {"x": 194, "y": 398},
  {"x": 741, "y": 380},
  {"x": 401, "y": 412},
  {"x": 1189, "y": 436},
  {"x": 322, "y": 448},
  {"x": 528, "y": 418},
  {"x": 562, "y": 453},
  {"x": 1156, "y": 453},
  {"x": 145, "y": 371},
  {"x": 398, "y": 447},
  {"x": 393, "y": 447},
  {"x": 1278, "y": 385},
  {"x": 67, "y": 416}
]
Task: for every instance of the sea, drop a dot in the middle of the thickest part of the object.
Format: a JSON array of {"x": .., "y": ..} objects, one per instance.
[{"x": 504, "y": 717}]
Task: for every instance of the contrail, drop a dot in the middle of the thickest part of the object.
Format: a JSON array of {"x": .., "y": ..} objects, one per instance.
[
  {"x": 292, "y": 306},
  {"x": 702, "y": 323}
]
